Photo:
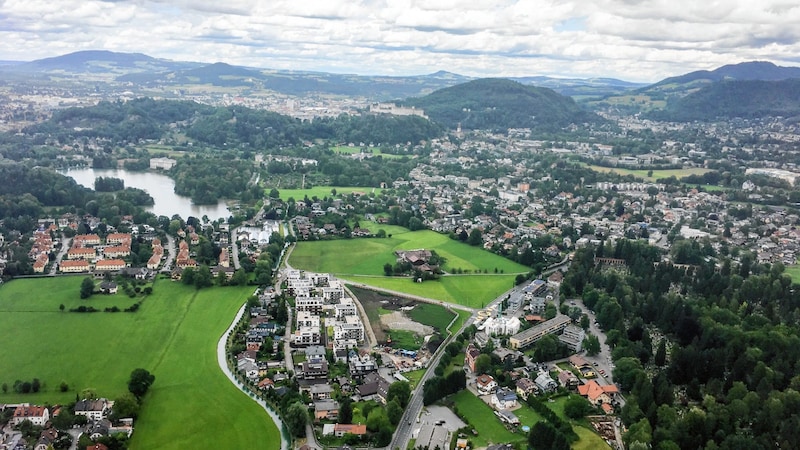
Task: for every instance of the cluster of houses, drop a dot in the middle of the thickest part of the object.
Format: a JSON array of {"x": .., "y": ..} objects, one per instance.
[
  {"x": 96, "y": 412},
  {"x": 91, "y": 253},
  {"x": 319, "y": 294}
]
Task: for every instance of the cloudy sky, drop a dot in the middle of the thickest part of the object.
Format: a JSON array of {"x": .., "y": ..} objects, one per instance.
[{"x": 628, "y": 39}]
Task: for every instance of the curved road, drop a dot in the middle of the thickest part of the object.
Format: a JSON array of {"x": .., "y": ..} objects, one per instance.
[{"x": 223, "y": 365}]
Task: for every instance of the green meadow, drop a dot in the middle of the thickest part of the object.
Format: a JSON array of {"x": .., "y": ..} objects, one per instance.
[
  {"x": 794, "y": 272},
  {"x": 367, "y": 256},
  {"x": 325, "y": 191},
  {"x": 173, "y": 335},
  {"x": 362, "y": 261},
  {"x": 657, "y": 174},
  {"x": 347, "y": 150}
]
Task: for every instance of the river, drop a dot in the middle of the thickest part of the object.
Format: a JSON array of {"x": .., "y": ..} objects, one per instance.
[{"x": 159, "y": 186}]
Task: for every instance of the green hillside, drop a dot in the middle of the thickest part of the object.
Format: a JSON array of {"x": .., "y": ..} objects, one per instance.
[{"x": 499, "y": 104}]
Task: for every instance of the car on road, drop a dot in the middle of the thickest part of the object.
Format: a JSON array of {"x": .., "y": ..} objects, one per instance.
[{"x": 602, "y": 372}]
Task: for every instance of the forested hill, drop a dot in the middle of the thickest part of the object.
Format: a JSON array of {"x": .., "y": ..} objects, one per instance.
[
  {"x": 225, "y": 126},
  {"x": 729, "y": 99},
  {"x": 500, "y": 104}
]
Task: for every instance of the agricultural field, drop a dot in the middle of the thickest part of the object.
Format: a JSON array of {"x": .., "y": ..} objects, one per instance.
[
  {"x": 324, "y": 191},
  {"x": 657, "y": 174},
  {"x": 173, "y": 335},
  {"x": 368, "y": 255}
]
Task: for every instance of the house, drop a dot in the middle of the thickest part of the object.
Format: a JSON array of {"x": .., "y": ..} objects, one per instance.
[
  {"x": 37, "y": 415},
  {"x": 598, "y": 395},
  {"x": 525, "y": 387},
  {"x": 326, "y": 409},
  {"x": 321, "y": 391},
  {"x": 109, "y": 265},
  {"x": 97, "y": 446},
  {"x": 94, "y": 409},
  {"x": 73, "y": 266},
  {"x": 504, "y": 398},
  {"x": 344, "y": 428},
  {"x": 545, "y": 383},
  {"x": 573, "y": 337},
  {"x": 265, "y": 384},
  {"x": 568, "y": 379},
  {"x": 471, "y": 355},
  {"x": 108, "y": 287},
  {"x": 46, "y": 439},
  {"x": 486, "y": 384},
  {"x": 507, "y": 416},
  {"x": 316, "y": 369},
  {"x": 579, "y": 362}
]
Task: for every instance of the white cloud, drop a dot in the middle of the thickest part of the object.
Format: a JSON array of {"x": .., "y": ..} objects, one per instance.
[{"x": 629, "y": 39}]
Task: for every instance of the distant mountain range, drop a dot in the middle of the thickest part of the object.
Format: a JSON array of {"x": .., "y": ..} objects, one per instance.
[
  {"x": 146, "y": 71},
  {"x": 680, "y": 97}
]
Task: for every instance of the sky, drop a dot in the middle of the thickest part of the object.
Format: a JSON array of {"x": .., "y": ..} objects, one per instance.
[{"x": 643, "y": 41}]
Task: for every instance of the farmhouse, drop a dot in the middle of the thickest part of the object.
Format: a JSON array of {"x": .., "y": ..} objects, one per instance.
[
  {"x": 95, "y": 409},
  {"x": 37, "y": 415}
]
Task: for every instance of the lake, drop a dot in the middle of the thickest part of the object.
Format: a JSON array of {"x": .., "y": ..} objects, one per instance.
[{"x": 159, "y": 186}]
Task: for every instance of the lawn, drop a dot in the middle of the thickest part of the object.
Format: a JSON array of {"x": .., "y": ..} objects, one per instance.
[
  {"x": 407, "y": 340},
  {"x": 657, "y": 174},
  {"x": 324, "y": 191},
  {"x": 794, "y": 272},
  {"x": 347, "y": 150},
  {"x": 414, "y": 376},
  {"x": 491, "y": 430},
  {"x": 173, "y": 335},
  {"x": 481, "y": 417},
  {"x": 436, "y": 316}
]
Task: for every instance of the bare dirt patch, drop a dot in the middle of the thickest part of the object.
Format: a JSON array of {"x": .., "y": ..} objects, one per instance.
[{"x": 397, "y": 320}]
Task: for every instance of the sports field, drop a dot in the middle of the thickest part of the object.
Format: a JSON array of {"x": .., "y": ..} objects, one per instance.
[
  {"x": 657, "y": 174},
  {"x": 173, "y": 335}
]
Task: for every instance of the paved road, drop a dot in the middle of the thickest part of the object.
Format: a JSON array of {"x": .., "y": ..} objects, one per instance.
[
  {"x": 63, "y": 251},
  {"x": 171, "y": 254},
  {"x": 404, "y": 429},
  {"x": 234, "y": 249},
  {"x": 223, "y": 365}
]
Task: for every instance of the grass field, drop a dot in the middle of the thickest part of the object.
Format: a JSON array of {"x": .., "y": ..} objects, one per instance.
[
  {"x": 347, "y": 150},
  {"x": 490, "y": 430},
  {"x": 366, "y": 257},
  {"x": 434, "y": 315},
  {"x": 482, "y": 418},
  {"x": 794, "y": 272},
  {"x": 657, "y": 174},
  {"x": 405, "y": 339},
  {"x": 173, "y": 335},
  {"x": 324, "y": 191}
]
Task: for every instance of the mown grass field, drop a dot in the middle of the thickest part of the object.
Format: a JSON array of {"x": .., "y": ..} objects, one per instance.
[
  {"x": 347, "y": 150},
  {"x": 368, "y": 255},
  {"x": 324, "y": 191},
  {"x": 433, "y": 315},
  {"x": 657, "y": 174},
  {"x": 794, "y": 272},
  {"x": 173, "y": 335}
]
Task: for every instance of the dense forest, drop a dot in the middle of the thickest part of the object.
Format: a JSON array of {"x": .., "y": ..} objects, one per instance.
[
  {"x": 501, "y": 104},
  {"x": 222, "y": 127},
  {"x": 707, "y": 356},
  {"x": 730, "y": 99}
]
